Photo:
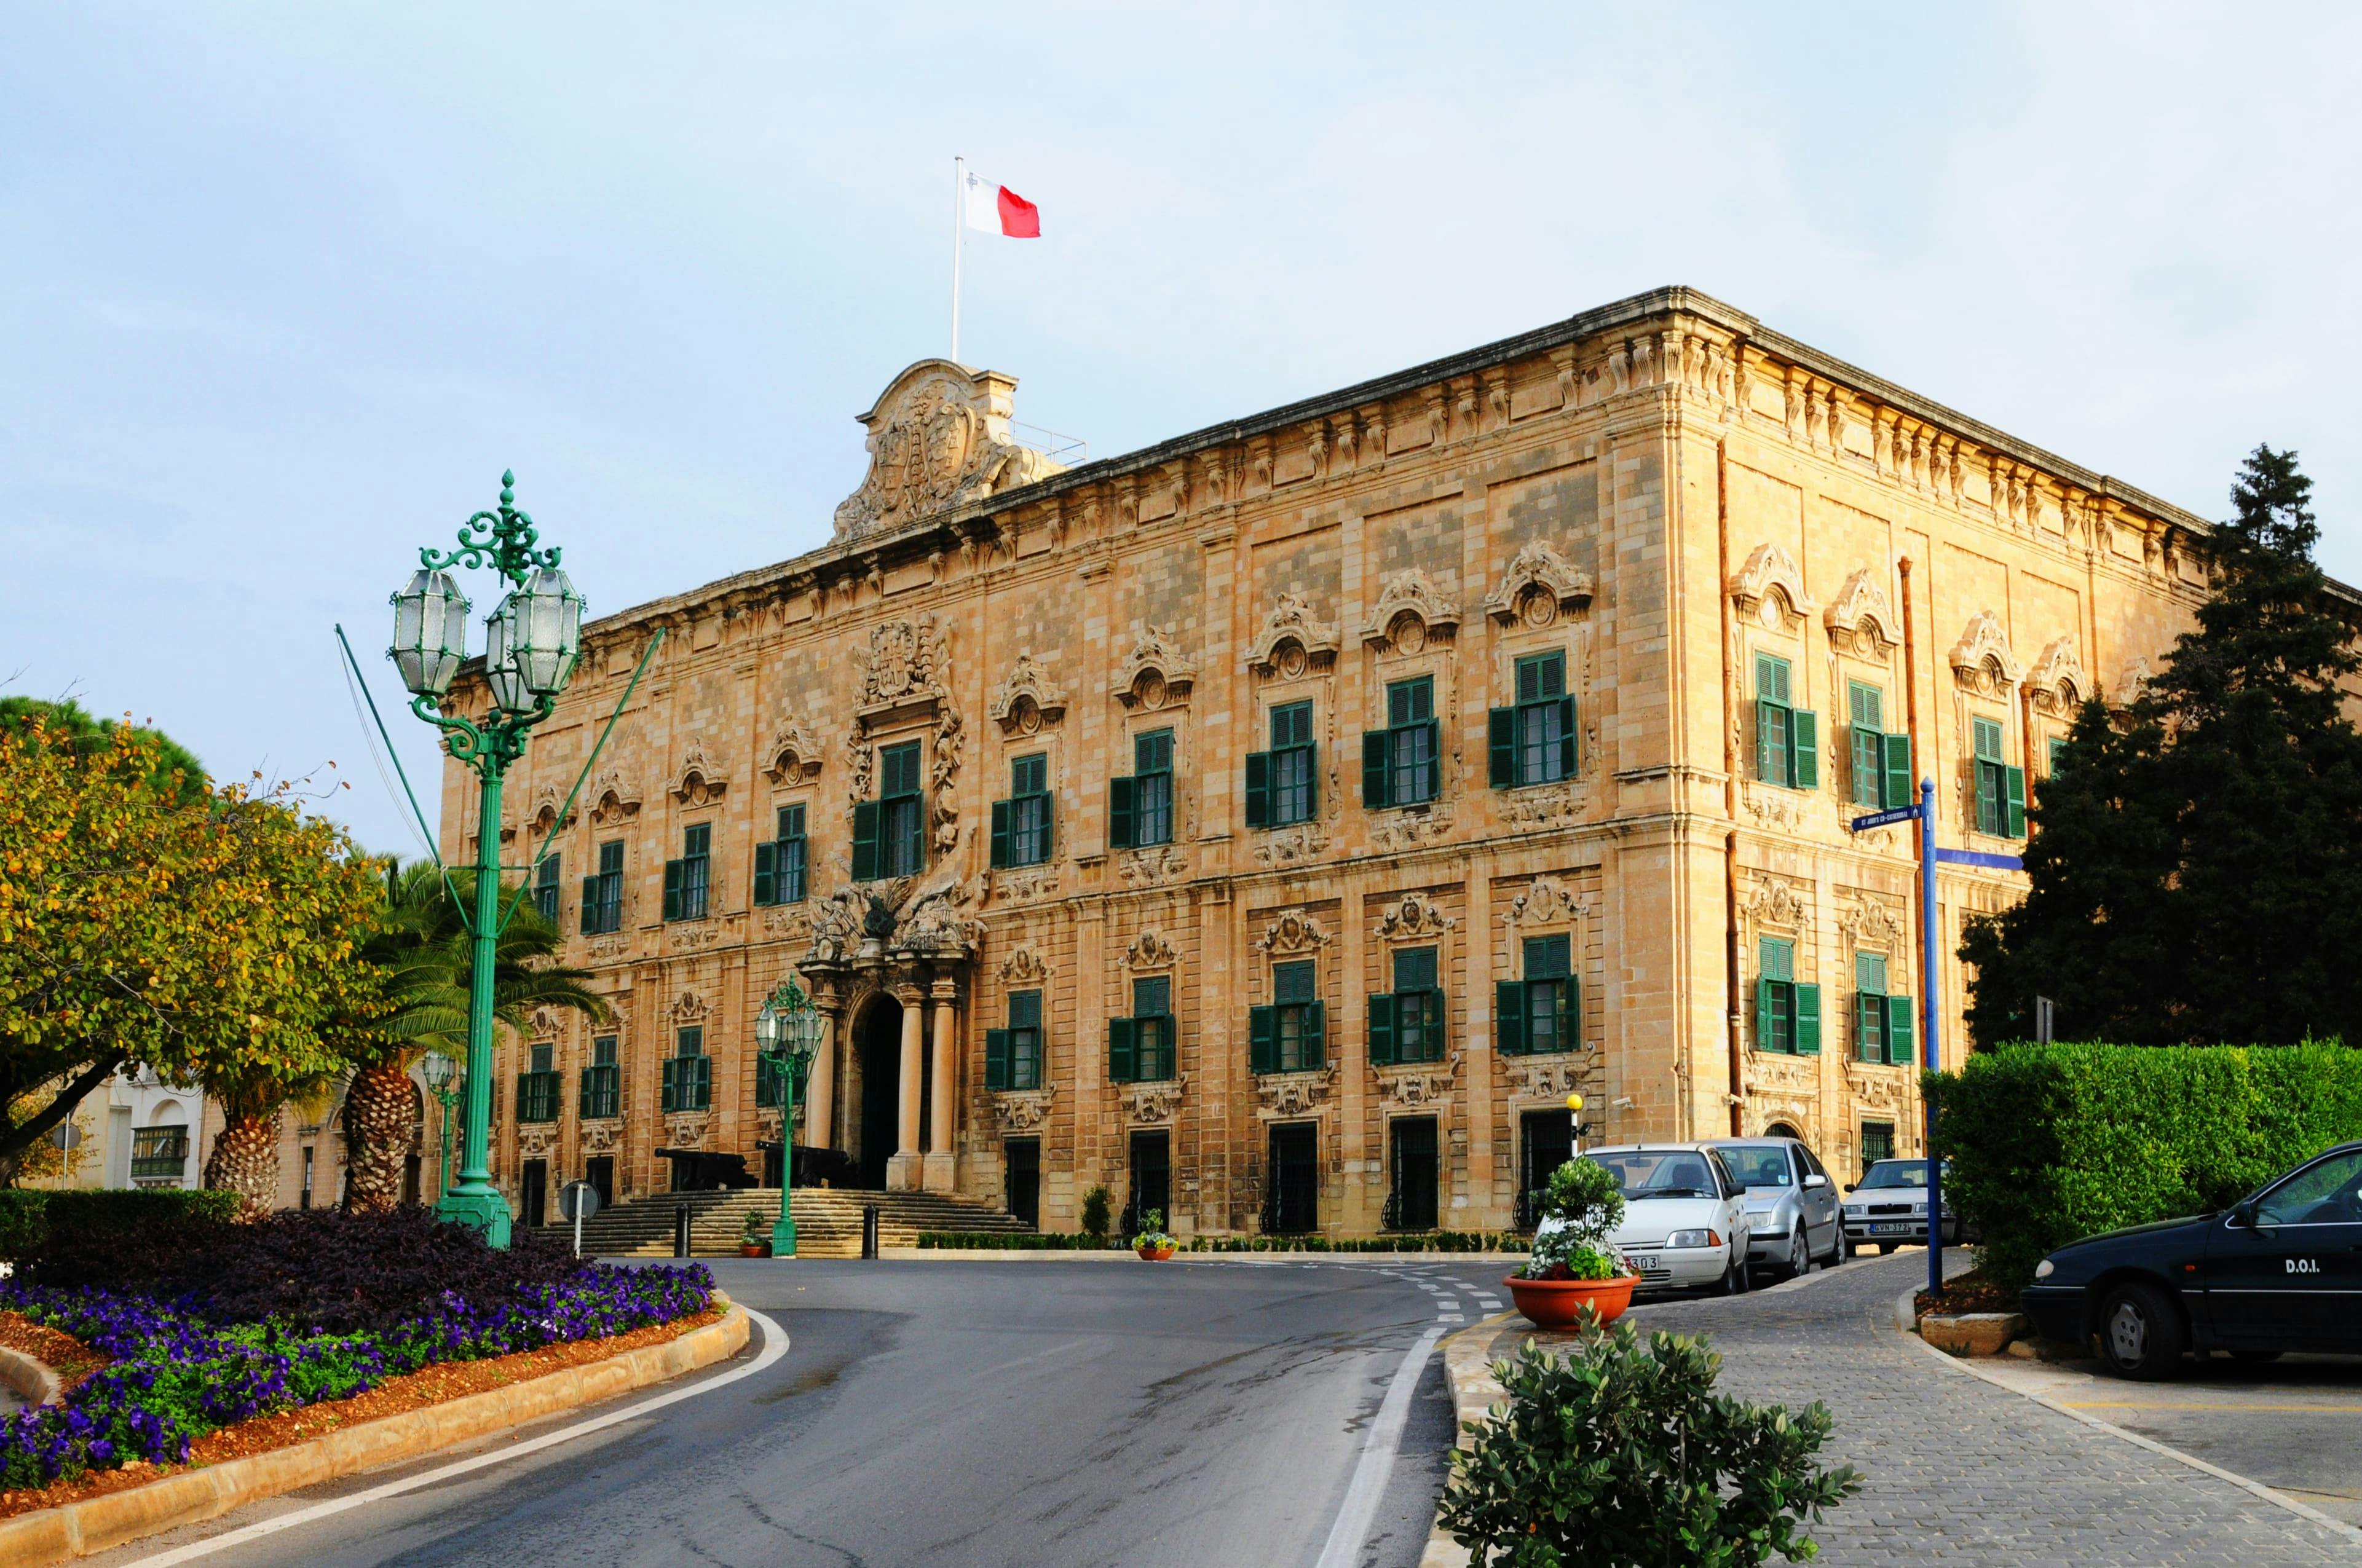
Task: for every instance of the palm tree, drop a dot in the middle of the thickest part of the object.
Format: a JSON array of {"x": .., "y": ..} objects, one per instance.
[{"x": 422, "y": 949}]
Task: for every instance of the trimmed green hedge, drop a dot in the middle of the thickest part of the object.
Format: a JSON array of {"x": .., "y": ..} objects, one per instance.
[
  {"x": 37, "y": 1224},
  {"x": 1029, "y": 1242},
  {"x": 2047, "y": 1144},
  {"x": 1016, "y": 1241}
]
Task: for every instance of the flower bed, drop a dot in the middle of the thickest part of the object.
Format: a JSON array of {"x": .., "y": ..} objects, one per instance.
[{"x": 176, "y": 1377}]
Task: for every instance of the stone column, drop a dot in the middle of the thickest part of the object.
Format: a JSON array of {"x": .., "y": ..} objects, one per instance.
[
  {"x": 903, "y": 1171},
  {"x": 943, "y": 1164},
  {"x": 820, "y": 1087}
]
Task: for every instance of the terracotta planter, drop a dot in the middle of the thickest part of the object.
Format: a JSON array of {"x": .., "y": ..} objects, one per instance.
[
  {"x": 1557, "y": 1303},
  {"x": 753, "y": 1249},
  {"x": 1156, "y": 1255}
]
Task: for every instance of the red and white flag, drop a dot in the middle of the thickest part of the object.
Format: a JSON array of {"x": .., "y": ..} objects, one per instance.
[{"x": 997, "y": 209}]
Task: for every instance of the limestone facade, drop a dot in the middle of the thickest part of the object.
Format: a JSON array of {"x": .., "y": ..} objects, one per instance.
[{"x": 1662, "y": 493}]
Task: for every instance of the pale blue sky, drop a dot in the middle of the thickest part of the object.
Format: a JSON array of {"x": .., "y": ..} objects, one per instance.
[{"x": 283, "y": 288}]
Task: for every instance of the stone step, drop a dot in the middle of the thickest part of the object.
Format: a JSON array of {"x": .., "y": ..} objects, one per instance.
[{"x": 828, "y": 1220}]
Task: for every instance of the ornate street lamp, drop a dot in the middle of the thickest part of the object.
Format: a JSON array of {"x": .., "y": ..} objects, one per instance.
[
  {"x": 531, "y": 642},
  {"x": 787, "y": 1032},
  {"x": 439, "y": 1070}
]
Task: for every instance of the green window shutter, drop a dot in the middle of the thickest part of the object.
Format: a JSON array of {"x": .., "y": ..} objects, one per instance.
[
  {"x": 1434, "y": 1030},
  {"x": 1316, "y": 1035},
  {"x": 668, "y": 1097},
  {"x": 1000, "y": 809},
  {"x": 1804, "y": 749},
  {"x": 1120, "y": 813},
  {"x": 1767, "y": 1004},
  {"x": 996, "y": 1058},
  {"x": 1382, "y": 1030},
  {"x": 1263, "y": 1038},
  {"x": 1567, "y": 1014},
  {"x": 1258, "y": 788},
  {"x": 1567, "y": 750},
  {"x": 1311, "y": 782},
  {"x": 2016, "y": 823},
  {"x": 1867, "y": 751},
  {"x": 672, "y": 890},
  {"x": 1770, "y": 741},
  {"x": 1869, "y": 1026},
  {"x": 1808, "y": 1021},
  {"x": 590, "y": 905},
  {"x": 1899, "y": 792},
  {"x": 1501, "y": 733},
  {"x": 1123, "y": 1065},
  {"x": 1510, "y": 1016},
  {"x": 865, "y": 840},
  {"x": 1373, "y": 769},
  {"x": 1898, "y": 1030},
  {"x": 766, "y": 873}
]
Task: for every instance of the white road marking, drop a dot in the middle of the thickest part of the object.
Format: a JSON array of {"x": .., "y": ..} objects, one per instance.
[
  {"x": 1378, "y": 1448},
  {"x": 775, "y": 1345}
]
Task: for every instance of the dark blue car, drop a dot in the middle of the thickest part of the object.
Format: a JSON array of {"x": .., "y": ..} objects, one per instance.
[{"x": 2278, "y": 1271}]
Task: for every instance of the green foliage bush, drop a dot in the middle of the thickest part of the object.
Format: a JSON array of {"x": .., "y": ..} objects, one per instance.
[
  {"x": 1083, "y": 1241},
  {"x": 1587, "y": 1203},
  {"x": 1095, "y": 1211},
  {"x": 2047, "y": 1144},
  {"x": 70, "y": 1231},
  {"x": 1013, "y": 1242},
  {"x": 1616, "y": 1453}
]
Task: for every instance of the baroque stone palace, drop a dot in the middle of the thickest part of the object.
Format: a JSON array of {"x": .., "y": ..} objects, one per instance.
[{"x": 1275, "y": 824}]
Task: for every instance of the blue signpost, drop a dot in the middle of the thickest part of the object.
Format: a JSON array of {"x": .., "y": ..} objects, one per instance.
[{"x": 1924, "y": 814}]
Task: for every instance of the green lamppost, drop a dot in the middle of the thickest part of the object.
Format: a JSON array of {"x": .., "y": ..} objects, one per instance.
[
  {"x": 438, "y": 1070},
  {"x": 787, "y": 1031},
  {"x": 530, "y": 644}
]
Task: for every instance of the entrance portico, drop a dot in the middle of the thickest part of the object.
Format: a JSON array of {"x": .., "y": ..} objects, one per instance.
[{"x": 908, "y": 1080}]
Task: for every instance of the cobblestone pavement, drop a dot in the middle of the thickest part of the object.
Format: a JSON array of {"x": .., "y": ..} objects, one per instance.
[{"x": 1958, "y": 1470}]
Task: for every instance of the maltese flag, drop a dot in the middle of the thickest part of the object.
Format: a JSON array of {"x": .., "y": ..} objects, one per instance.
[{"x": 997, "y": 209}]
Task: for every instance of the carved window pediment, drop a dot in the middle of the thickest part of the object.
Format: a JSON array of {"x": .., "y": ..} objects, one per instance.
[
  {"x": 1292, "y": 642},
  {"x": 1771, "y": 588},
  {"x": 697, "y": 781},
  {"x": 1538, "y": 586},
  {"x": 794, "y": 753},
  {"x": 2058, "y": 683},
  {"x": 1154, "y": 674},
  {"x": 1024, "y": 967},
  {"x": 1295, "y": 930},
  {"x": 1982, "y": 659},
  {"x": 1150, "y": 950},
  {"x": 1027, "y": 699},
  {"x": 612, "y": 801},
  {"x": 1547, "y": 901},
  {"x": 905, "y": 669},
  {"x": 1410, "y": 612},
  {"x": 1411, "y": 916},
  {"x": 1860, "y": 619},
  {"x": 2132, "y": 682}
]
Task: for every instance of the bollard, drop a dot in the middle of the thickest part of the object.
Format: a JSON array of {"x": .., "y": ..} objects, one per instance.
[
  {"x": 868, "y": 1230},
  {"x": 680, "y": 1230}
]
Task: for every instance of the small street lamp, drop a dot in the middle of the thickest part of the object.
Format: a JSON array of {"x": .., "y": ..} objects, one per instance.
[
  {"x": 439, "y": 1071},
  {"x": 787, "y": 1032},
  {"x": 529, "y": 645}
]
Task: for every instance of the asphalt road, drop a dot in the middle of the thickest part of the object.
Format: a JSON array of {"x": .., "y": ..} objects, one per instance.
[{"x": 1034, "y": 1413}]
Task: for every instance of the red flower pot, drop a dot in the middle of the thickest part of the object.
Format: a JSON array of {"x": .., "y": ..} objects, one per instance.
[
  {"x": 1156, "y": 1255},
  {"x": 1558, "y": 1303}
]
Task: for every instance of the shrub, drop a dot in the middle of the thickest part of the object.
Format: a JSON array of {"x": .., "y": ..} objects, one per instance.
[
  {"x": 1619, "y": 1454},
  {"x": 1095, "y": 1211},
  {"x": 24, "y": 1223},
  {"x": 130, "y": 1235},
  {"x": 2047, "y": 1143},
  {"x": 1587, "y": 1202}
]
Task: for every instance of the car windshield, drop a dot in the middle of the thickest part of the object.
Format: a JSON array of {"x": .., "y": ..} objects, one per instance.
[
  {"x": 1759, "y": 1165},
  {"x": 1897, "y": 1173},
  {"x": 1673, "y": 1173}
]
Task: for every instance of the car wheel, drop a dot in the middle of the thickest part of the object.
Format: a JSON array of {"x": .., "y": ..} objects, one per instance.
[
  {"x": 1837, "y": 1246},
  {"x": 1798, "y": 1263},
  {"x": 1734, "y": 1273},
  {"x": 2140, "y": 1334}
]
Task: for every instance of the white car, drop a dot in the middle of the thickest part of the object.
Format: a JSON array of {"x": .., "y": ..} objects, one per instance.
[{"x": 1684, "y": 1215}]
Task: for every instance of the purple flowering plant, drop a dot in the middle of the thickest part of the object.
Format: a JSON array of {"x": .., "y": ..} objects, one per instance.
[{"x": 176, "y": 1377}]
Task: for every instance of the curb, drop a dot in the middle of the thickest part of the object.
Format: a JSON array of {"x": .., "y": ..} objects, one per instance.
[
  {"x": 29, "y": 1377},
  {"x": 100, "y": 1523},
  {"x": 1468, "y": 1372}
]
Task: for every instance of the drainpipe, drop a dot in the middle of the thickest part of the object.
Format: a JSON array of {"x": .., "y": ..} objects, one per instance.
[
  {"x": 1922, "y": 767},
  {"x": 1732, "y": 1013}
]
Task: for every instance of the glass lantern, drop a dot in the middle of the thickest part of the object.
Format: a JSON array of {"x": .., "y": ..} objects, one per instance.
[
  {"x": 510, "y": 693},
  {"x": 430, "y": 633},
  {"x": 546, "y": 624}
]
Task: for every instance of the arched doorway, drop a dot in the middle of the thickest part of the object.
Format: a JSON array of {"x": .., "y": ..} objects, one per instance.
[
  {"x": 877, "y": 1039},
  {"x": 1780, "y": 1130}
]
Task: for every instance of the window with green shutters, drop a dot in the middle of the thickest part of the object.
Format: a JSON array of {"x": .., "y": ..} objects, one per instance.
[
  {"x": 2001, "y": 788},
  {"x": 602, "y": 895},
  {"x": 603, "y": 1081},
  {"x": 1140, "y": 1048},
  {"x": 545, "y": 888},
  {"x": 1280, "y": 782},
  {"x": 1538, "y": 1014},
  {"x": 1012, "y": 1057},
  {"x": 1882, "y": 1022},
  {"x": 1533, "y": 741},
  {"x": 1020, "y": 824},
  {"x": 1787, "y": 1013},
  {"x": 1139, "y": 809},
  {"x": 688, "y": 1074},
  {"x": 780, "y": 864},
  {"x": 2057, "y": 756},
  {"x": 689, "y": 878},
  {"x": 1407, "y": 1023},
  {"x": 1290, "y": 1035},
  {"x": 1882, "y": 762},
  {"x": 890, "y": 833},
  {"x": 1787, "y": 738},
  {"x": 538, "y": 1085},
  {"x": 1398, "y": 762}
]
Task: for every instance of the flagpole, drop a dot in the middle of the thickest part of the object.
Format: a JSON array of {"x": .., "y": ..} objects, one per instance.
[{"x": 959, "y": 195}]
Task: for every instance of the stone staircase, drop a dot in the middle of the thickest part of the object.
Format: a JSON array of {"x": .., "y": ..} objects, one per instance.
[{"x": 828, "y": 1220}]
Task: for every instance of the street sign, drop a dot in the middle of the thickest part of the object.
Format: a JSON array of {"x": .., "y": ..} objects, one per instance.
[
  {"x": 578, "y": 1201},
  {"x": 1880, "y": 819},
  {"x": 1979, "y": 857}
]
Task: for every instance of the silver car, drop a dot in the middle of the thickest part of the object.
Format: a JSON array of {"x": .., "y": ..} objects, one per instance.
[
  {"x": 1887, "y": 1207},
  {"x": 1792, "y": 1205}
]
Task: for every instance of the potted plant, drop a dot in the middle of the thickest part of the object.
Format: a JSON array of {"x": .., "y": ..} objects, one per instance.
[
  {"x": 755, "y": 1238},
  {"x": 1152, "y": 1244},
  {"x": 1574, "y": 1265}
]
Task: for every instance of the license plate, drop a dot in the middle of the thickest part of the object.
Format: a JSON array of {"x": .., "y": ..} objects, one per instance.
[
  {"x": 1891, "y": 1228},
  {"x": 1643, "y": 1262}
]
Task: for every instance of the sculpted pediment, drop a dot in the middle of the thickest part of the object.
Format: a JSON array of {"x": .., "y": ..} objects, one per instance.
[{"x": 939, "y": 438}]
